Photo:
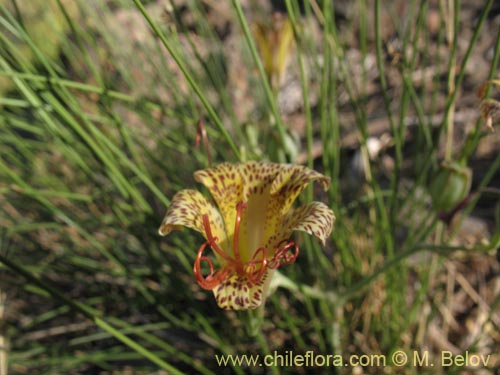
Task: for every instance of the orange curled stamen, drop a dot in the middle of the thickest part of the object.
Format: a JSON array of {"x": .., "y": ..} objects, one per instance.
[
  {"x": 214, "y": 278},
  {"x": 212, "y": 241},
  {"x": 255, "y": 268},
  {"x": 283, "y": 256},
  {"x": 286, "y": 253}
]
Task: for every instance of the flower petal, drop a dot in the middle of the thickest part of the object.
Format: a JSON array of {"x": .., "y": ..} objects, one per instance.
[
  {"x": 187, "y": 209},
  {"x": 286, "y": 187},
  {"x": 292, "y": 180},
  {"x": 226, "y": 185},
  {"x": 315, "y": 218},
  {"x": 258, "y": 176},
  {"x": 268, "y": 189},
  {"x": 237, "y": 293}
]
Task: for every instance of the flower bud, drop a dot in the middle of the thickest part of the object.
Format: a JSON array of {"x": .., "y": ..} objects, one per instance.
[{"x": 450, "y": 185}]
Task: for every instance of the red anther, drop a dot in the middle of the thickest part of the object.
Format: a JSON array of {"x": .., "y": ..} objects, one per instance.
[{"x": 201, "y": 133}]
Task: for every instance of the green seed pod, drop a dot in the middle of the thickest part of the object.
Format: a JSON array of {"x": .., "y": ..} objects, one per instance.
[{"x": 450, "y": 185}]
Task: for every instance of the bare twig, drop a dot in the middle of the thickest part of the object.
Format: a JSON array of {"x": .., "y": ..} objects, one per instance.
[{"x": 201, "y": 134}]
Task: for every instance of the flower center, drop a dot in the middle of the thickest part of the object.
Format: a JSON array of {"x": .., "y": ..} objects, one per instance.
[{"x": 285, "y": 253}]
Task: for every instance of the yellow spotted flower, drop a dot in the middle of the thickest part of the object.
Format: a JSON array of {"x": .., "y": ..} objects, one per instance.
[{"x": 249, "y": 231}]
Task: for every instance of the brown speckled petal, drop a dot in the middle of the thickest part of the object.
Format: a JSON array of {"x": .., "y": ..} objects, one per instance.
[
  {"x": 286, "y": 187},
  {"x": 315, "y": 218},
  {"x": 237, "y": 293},
  {"x": 226, "y": 186},
  {"x": 187, "y": 209}
]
